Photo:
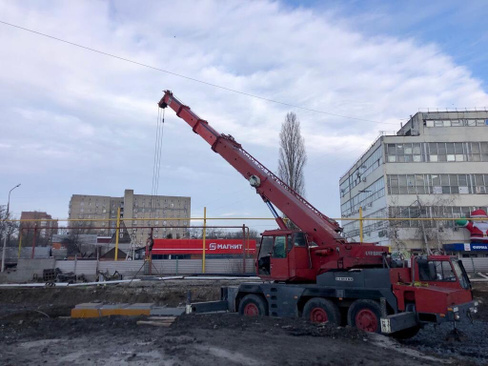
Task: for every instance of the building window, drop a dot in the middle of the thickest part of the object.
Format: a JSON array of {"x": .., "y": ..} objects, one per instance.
[
  {"x": 437, "y": 183},
  {"x": 362, "y": 170},
  {"x": 437, "y": 152},
  {"x": 412, "y": 212},
  {"x": 457, "y": 123},
  {"x": 365, "y": 198},
  {"x": 404, "y": 153}
]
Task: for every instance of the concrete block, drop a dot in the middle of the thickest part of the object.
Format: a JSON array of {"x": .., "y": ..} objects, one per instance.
[
  {"x": 87, "y": 310},
  {"x": 162, "y": 311}
]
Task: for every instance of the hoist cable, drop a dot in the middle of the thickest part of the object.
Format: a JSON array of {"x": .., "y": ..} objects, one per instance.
[{"x": 157, "y": 152}]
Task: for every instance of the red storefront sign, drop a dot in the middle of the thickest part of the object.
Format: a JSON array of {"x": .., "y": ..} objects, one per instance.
[{"x": 195, "y": 246}]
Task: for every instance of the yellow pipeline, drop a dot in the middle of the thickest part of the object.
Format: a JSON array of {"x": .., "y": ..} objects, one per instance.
[{"x": 249, "y": 218}]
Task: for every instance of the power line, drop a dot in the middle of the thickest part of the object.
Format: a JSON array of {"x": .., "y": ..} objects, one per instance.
[{"x": 186, "y": 77}]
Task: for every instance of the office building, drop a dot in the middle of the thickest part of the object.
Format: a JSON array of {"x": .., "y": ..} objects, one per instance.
[
  {"x": 436, "y": 166},
  {"x": 139, "y": 213}
]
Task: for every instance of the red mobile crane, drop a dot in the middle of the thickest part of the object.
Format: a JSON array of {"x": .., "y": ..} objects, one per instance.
[{"x": 315, "y": 273}]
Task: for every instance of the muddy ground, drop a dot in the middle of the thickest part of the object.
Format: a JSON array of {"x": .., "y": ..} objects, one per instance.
[{"x": 34, "y": 330}]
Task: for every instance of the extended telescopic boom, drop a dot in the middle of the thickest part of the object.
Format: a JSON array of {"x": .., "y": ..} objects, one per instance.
[{"x": 321, "y": 229}]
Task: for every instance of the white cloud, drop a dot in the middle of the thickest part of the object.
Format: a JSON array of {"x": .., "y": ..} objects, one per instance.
[{"x": 91, "y": 119}]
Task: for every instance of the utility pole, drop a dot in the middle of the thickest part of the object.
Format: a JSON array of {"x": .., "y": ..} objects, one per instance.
[{"x": 6, "y": 234}]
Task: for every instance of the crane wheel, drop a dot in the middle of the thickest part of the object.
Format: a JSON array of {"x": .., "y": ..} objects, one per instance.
[
  {"x": 319, "y": 310},
  {"x": 365, "y": 315},
  {"x": 253, "y": 305}
]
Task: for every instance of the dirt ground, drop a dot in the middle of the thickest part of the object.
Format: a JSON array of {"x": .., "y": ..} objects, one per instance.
[{"x": 34, "y": 330}]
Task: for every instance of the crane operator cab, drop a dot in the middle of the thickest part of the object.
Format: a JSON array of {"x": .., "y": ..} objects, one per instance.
[{"x": 283, "y": 255}]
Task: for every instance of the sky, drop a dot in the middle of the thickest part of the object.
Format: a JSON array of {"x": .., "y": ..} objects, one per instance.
[{"x": 80, "y": 82}]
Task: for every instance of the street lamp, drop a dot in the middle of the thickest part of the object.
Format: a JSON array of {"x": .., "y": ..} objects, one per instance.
[{"x": 6, "y": 228}]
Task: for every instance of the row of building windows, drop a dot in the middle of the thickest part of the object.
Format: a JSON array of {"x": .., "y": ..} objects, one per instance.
[
  {"x": 436, "y": 212},
  {"x": 457, "y": 123},
  {"x": 373, "y": 162},
  {"x": 436, "y": 152},
  {"x": 374, "y": 192},
  {"x": 142, "y": 202},
  {"x": 351, "y": 229},
  {"x": 163, "y": 222},
  {"x": 437, "y": 183},
  {"x": 159, "y": 210}
]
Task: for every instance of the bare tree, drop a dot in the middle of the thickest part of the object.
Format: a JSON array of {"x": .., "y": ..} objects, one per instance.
[
  {"x": 74, "y": 242},
  {"x": 7, "y": 228},
  {"x": 432, "y": 231},
  {"x": 423, "y": 220},
  {"x": 292, "y": 154}
]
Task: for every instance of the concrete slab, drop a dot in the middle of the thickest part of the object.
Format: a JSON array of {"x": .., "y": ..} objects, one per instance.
[
  {"x": 136, "y": 309},
  {"x": 87, "y": 310},
  {"x": 141, "y": 305},
  {"x": 162, "y": 311},
  {"x": 112, "y": 309},
  {"x": 95, "y": 310}
]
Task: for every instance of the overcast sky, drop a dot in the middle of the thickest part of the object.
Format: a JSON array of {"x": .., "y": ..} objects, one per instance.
[{"x": 74, "y": 121}]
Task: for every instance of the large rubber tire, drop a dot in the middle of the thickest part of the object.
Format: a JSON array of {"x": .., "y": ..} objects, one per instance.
[
  {"x": 365, "y": 315},
  {"x": 253, "y": 305},
  {"x": 406, "y": 333},
  {"x": 319, "y": 310}
]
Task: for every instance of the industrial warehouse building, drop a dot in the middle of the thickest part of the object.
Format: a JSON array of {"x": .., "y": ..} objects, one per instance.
[
  {"x": 435, "y": 166},
  {"x": 134, "y": 209}
]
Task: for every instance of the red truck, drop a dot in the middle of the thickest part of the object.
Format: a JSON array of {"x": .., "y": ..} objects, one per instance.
[{"x": 315, "y": 273}]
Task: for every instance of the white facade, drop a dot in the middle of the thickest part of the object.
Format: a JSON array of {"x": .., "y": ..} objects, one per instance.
[{"x": 435, "y": 166}]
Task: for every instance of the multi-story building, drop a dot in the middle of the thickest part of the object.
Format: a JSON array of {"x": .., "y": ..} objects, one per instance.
[
  {"x": 39, "y": 223},
  {"x": 139, "y": 213},
  {"x": 436, "y": 166}
]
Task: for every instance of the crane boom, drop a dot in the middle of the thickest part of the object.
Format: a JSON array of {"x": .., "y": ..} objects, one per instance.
[{"x": 321, "y": 229}]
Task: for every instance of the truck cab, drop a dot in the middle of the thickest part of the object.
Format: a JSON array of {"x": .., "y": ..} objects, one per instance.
[
  {"x": 284, "y": 255},
  {"x": 436, "y": 288}
]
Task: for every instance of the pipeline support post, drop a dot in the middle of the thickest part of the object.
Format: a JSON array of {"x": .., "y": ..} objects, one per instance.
[
  {"x": 34, "y": 242},
  {"x": 204, "y": 235},
  {"x": 244, "y": 248},
  {"x": 360, "y": 224},
  {"x": 20, "y": 241},
  {"x": 117, "y": 233}
]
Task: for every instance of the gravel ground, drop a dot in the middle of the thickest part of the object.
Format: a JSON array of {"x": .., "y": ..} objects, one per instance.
[
  {"x": 468, "y": 343},
  {"x": 214, "y": 339},
  {"x": 29, "y": 337}
]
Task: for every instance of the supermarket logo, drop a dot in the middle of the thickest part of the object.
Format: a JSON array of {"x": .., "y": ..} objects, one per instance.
[{"x": 215, "y": 246}]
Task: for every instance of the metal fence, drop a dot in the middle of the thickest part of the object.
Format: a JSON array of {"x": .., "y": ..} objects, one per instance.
[
  {"x": 12, "y": 254},
  {"x": 161, "y": 267},
  {"x": 165, "y": 267}
]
